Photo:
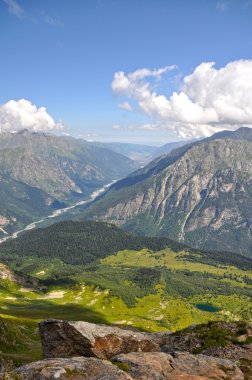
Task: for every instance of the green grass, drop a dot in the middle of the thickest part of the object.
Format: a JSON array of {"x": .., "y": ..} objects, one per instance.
[
  {"x": 173, "y": 260},
  {"x": 152, "y": 291},
  {"x": 19, "y": 341}
]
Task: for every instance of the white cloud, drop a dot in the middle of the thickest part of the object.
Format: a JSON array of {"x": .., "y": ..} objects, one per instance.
[
  {"x": 125, "y": 84},
  {"x": 117, "y": 126},
  {"x": 147, "y": 127},
  {"x": 125, "y": 106},
  {"x": 14, "y": 8},
  {"x": 137, "y": 127},
  {"x": 209, "y": 100},
  {"x": 22, "y": 114}
]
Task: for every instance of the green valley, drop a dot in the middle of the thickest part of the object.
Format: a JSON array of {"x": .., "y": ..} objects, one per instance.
[
  {"x": 154, "y": 284},
  {"x": 40, "y": 173}
]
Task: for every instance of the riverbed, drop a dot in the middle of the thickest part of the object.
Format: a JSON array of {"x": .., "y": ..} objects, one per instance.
[{"x": 57, "y": 213}]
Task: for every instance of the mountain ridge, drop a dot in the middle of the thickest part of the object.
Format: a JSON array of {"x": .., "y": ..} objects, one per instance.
[
  {"x": 41, "y": 172},
  {"x": 209, "y": 180}
]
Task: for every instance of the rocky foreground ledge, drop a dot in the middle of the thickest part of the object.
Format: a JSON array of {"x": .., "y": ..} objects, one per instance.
[
  {"x": 81, "y": 350},
  {"x": 67, "y": 339}
]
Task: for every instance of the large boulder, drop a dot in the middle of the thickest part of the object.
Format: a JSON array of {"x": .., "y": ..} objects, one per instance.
[
  {"x": 179, "y": 366},
  {"x": 132, "y": 366},
  {"x": 69, "y": 369},
  {"x": 67, "y": 339}
]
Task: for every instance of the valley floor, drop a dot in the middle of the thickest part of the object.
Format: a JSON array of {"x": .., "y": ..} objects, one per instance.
[{"x": 152, "y": 291}]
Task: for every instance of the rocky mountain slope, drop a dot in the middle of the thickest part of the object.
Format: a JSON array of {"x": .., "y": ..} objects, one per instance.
[
  {"x": 40, "y": 172},
  {"x": 199, "y": 194}
]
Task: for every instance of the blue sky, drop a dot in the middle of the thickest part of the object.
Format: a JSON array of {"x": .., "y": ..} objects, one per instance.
[{"x": 63, "y": 55}]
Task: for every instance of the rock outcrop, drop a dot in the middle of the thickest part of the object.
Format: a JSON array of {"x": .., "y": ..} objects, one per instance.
[
  {"x": 68, "y": 339},
  {"x": 71, "y": 369},
  {"x": 6, "y": 273},
  {"x": 28, "y": 281},
  {"x": 220, "y": 339},
  {"x": 76, "y": 351},
  {"x": 180, "y": 366},
  {"x": 132, "y": 366}
]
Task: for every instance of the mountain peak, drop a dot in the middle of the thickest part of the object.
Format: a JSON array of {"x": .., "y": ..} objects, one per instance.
[
  {"x": 242, "y": 133},
  {"x": 197, "y": 194}
]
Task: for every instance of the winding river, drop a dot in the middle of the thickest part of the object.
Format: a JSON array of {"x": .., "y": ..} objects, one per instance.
[{"x": 58, "y": 212}]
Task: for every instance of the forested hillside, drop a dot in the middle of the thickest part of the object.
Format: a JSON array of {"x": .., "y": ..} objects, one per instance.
[{"x": 84, "y": 242}]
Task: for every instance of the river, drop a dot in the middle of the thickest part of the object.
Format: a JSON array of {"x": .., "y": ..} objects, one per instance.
[{"x": 58, "y": 212}]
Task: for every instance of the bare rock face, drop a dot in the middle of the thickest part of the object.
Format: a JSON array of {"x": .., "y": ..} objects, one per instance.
[
  {"x": 70, "y": 369},
  {"x": 68, "y": 339},
  {"x": 134, "y": 366},
  {"x": 6, "y": 273},
  {"x": 180, "y": 366},
  {"x": 196, "y": 194}
]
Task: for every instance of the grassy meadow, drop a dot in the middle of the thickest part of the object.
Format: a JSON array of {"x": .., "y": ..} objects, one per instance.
[{"x": 165, "y": 290}]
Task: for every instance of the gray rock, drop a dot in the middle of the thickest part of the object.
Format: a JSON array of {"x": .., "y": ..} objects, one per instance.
[
  {"x": 71, "y": 369},
  {"x": 67, "y": 339},
  {"x": 135, "y": 366},
  {"x": 180, "y": 366}
]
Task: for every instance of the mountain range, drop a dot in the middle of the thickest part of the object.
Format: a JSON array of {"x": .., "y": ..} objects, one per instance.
[
  {"x": 199, "y": 194},
  {"x": 142, "y": 153},
  {"x": 40, "y": 173},
  {"x": 137, "y": 152}
]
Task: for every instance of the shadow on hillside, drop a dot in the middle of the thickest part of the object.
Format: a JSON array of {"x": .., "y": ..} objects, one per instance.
[{"x": 44, "y": 309}]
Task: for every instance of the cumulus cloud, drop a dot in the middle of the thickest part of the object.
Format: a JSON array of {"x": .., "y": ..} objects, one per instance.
[
  {"x": 21, "y": 114},
  {"x": 14, "y": 8},
  {"x": 209, "y": 99},
  {"x": 125, "y": 106},
  {"x": 124, "y": 84}
]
